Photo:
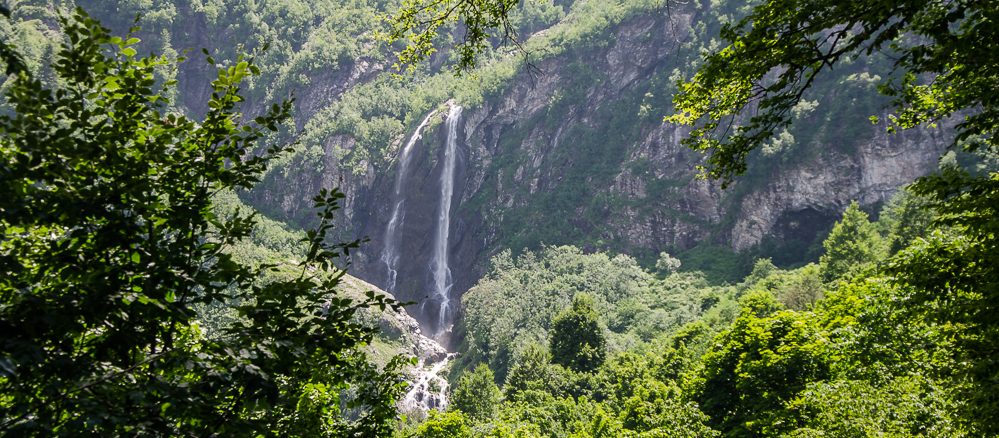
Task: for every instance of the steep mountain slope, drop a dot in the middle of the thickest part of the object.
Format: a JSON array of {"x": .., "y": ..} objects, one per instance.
[
  {"x": 573, "y": 151},
  {"x": 570, "y": 149}
]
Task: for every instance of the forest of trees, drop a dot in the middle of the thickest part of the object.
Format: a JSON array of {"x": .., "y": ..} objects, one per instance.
[
  {"x": 115, "y": 251},
  {"x": 910, "y": 319},
  {"x": 138, "y": 297},
  {"x": 836, "y": 348}
]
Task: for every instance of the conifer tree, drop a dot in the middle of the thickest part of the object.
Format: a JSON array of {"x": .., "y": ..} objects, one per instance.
[
  {"x": 853, "y": 244},
  {"x": 477, "y": 394}
]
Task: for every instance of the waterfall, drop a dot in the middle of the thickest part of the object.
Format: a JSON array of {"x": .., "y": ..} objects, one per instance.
[
  {"x": 439, "y": 264},
  {"x": 390, "y": 252},
  {"x": 429, "y": 385},
  {"x": 428, "y": 389}
]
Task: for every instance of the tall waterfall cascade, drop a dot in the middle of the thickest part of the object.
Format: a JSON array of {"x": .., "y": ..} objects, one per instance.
[
  {"x": 428, "y": 384},
  {"x": 439, "y": 267},
  {"x": 390, "y": 252}
]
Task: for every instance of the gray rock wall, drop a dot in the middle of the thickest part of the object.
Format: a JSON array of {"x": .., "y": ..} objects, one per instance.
[{"x": 573, "y": 149}]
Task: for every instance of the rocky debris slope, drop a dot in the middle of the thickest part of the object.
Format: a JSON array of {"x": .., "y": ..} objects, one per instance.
[{"x": 400, "y": 334}]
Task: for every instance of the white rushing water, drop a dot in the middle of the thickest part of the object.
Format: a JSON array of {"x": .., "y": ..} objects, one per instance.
[
  {"x": 390, "y": 252},
  {"x": 429, "y": 388},
  {"x": 439, "y": 264}
]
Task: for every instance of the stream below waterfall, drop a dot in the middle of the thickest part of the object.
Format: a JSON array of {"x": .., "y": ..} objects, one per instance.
[{"x": 429, "y": 388}]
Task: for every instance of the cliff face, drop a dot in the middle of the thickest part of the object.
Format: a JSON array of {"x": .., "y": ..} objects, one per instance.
[
  {"x": 574, "y": 152},
  {"x": 570, "y": 151},
  {"x": 825, "y": 185}
]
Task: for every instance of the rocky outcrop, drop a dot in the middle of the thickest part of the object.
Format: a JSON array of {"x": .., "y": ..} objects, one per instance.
[
  {"x": 826, "y": 185},
  {"x": 576, "y": 153},
  {"x": 400, "y": 334}
]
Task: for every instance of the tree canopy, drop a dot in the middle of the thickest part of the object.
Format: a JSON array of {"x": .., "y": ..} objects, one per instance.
[
  {"x": 578, "y": 341},
  {"x": 110, "y": 243},
  {"x": 852, "y": 244},
  {"x": 946, "y": 68},
  {"x": 477, "y": 394},
  {"x": 944, "y": 58}
]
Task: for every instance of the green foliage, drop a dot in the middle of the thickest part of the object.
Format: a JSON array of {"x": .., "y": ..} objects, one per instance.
[
  {"x": 906, "y": 217},
  {"x": 875, "y": 337},
  {"x": 899, "y": 352},
  {"x": 577, "y": 339},
  {"x": 953, "y": 278},
  {"x": 13, "y": 61},
  {"x": 808, "y": 37},
  {"x": 620, "y": 376},
  {"x": 538, "y": 413},
  {"x": 533, "y": 370},
  {"x": 419, "y": 22},
  {"x": 718, "y": 263},
  {"x": 295, "y": 41},
  {"x": 535, "y": 15},
  {"x": 667, "y": 264},
  {"x": 764, "y": 360},
  {"x": 476, "y": 394},
  {"x": 444, "y": 425},
  {"x": 798, "y": 289},
  {"x": 944, "y": 56},
  {"x": 853, "y": 245},
  {"x": 420, "y": 25},
  {"x": 807, "y": 370},
  {"x": 659, "y": 409},
  {"x": 762, "y": 269},
  {"x": 110, "y": 242},
  {"x": 905, "y": 406},
  {"x": 515, "y": 303},
  {"x": 872, "y": 356}
]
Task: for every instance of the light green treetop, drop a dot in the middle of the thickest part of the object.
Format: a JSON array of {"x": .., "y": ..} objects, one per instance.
[{"x": 852, "y": 245}]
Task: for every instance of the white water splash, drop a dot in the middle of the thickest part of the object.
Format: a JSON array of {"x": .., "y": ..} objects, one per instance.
[
  {"x": 390, "y": 252},
  {"x": 429, "y": 388},
  {"x": 439, "y": 264}
]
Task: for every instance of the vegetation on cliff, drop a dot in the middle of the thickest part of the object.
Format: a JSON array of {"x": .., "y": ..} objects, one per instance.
[
  {"x": 841, "y": 348},
  {"x": 139, "y": 296},
  {"x": 775, "y": 371}
]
